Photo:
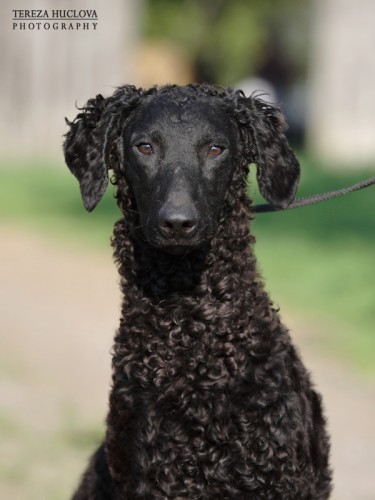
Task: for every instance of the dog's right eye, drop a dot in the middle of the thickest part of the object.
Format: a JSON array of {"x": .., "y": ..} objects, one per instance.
[
  {"x": 145, "y": 149},
  {"x": 215, "y": 151}
]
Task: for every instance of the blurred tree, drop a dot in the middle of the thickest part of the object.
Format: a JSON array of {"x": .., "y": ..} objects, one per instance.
[{"x": 225, "y": 38}]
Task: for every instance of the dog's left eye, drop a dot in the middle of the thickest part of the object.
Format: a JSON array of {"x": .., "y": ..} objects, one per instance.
[
  {"x": 145, "y": 149},
  {"x": 215, "y": 151}
]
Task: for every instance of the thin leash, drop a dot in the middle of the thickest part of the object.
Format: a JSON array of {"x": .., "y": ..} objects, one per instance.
[{"x": 316, "y": 198}]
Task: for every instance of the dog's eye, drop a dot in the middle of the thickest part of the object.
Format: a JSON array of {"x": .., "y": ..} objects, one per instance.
[
  {"x": 145, "y": 149},
  {"x": 215, "y": 151}
]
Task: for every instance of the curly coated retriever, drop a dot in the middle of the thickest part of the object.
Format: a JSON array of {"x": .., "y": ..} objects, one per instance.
[{"x": 210, "y": 399}]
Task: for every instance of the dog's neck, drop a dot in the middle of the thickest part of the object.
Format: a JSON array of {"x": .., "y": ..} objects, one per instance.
[{"x": 214, "y": 274}]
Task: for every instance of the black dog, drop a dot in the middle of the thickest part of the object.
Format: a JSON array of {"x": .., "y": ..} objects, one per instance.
[{"x": 210, "y": 399}]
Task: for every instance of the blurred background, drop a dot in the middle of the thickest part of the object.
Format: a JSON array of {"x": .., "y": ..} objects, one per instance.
[{"x": 58, "y": 285}]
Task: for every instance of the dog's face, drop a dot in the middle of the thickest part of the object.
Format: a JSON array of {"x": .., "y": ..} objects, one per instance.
[
  {"x": 179, "y": 163},
  {"x": 178, "y": 148}
]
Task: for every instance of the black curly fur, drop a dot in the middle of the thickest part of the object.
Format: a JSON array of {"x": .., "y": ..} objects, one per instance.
[{"x": 209, "y": 399}]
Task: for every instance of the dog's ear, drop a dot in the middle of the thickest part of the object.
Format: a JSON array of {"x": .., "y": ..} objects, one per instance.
[
  {"x": 89, "y": 144},
  {"x": 278, "y": 170}
]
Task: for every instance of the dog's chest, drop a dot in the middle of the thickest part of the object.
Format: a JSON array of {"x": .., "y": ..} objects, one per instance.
[
  {"x": 205, "y": 400},
  {"x": 201, "y": 417}
]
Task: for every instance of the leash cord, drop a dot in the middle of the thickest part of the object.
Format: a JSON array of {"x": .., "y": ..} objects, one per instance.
[{"x": 316, "y": 198}]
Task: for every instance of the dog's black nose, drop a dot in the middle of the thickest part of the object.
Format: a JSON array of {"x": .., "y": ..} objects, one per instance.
[{"x": 178, "y": 222}]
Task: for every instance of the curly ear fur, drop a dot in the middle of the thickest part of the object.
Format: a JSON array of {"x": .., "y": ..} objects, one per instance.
[
  {"x": 278, "y": 170},
  {"x": 89, "y": 144}
]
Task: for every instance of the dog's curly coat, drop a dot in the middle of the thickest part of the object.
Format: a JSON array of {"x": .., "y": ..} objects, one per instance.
[{"x": 210, "y": 399}]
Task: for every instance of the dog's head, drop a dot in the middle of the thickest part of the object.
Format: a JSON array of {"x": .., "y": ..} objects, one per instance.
[{"x": 178, "y": 149}]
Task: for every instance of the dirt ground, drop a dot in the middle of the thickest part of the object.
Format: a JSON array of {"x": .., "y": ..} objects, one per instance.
[{"x": 59, "y": 309}]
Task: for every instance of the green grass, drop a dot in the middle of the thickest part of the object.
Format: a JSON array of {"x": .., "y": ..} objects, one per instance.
[
  {"x": 318, "y": 262},
  {"x": 47, "y": 197}
]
